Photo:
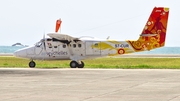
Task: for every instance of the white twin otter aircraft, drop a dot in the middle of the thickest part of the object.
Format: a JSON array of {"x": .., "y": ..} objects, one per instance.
[{"x": 64, "y": 47}]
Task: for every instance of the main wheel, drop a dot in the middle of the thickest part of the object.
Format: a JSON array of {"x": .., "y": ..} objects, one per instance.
[
  {"x": 73, "y": 64},
  {"x": 81, "y": 65},
  {"x": 32, "y": 64}
]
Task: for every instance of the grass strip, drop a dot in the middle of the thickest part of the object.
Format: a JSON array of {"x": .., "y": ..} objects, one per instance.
[{"x": 111, "y": 63}]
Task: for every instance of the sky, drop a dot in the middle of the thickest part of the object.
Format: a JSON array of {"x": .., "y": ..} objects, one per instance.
[{"x": 26, "y": 21}]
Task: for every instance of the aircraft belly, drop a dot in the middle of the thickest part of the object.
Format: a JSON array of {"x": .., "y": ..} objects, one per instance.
[
  {"x": 47, "y": 57},
  {"x": 57, "y": 58}
]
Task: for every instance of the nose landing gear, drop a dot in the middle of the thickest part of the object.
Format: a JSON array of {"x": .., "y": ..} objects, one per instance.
[
  {"x": 74, "y": 64},
  {"x": 32, "y": 64}
]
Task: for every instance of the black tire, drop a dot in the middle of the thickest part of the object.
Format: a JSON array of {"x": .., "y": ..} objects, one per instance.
[
  {"x": 81, "y": 65},
  {"x": 32, "y": 64},
  {"x": 73, "y": 64}
]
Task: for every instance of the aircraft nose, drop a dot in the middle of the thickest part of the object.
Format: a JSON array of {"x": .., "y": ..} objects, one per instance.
[{"x": 20, "y": 53}]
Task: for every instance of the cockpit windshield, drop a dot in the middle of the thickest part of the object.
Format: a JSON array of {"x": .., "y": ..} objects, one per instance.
[{"x": 38, "y": 44}]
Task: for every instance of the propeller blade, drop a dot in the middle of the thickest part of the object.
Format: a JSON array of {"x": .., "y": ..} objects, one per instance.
[{"x": 44, "y": 40}]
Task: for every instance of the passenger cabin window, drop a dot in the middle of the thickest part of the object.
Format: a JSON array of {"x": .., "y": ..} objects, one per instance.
[
  {"x": 96, "y": 44},
  {"x": 74, "y": 45},
  {"x": 64, "y": 46},
  {"x": 55, "y": 46},
  {"x": 79, "y": 45}
]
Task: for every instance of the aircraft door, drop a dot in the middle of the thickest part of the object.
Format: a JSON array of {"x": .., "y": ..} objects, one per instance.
[
  {"x": 96, "y": 48},
  {"x": 38, "y": 48},
  {"x": 55, "y": 47},
  {"x": 89, "y": 49},
  {"x": 77, "y": 48},
  {"x": 49, "y": 47}
]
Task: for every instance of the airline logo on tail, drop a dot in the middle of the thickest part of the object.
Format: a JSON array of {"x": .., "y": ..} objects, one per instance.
[{"x": 154, "y": 32}]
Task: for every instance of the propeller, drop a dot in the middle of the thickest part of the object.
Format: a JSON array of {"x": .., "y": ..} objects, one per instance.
[
  {"x": 108, "y": 37},
  {"x": 44, "y": 45},
  {"x": 44, "y": 42}
]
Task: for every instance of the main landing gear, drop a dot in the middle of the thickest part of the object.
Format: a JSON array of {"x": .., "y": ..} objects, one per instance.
[
  {"x": 32, "y": 64},
  {"x": 74, "y": 64}
]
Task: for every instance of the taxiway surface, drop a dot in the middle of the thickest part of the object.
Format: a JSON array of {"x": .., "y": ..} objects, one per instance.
[{"x": 18, "y": 84}]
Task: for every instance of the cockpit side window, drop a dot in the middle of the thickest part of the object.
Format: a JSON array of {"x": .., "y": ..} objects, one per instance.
[
  {"x": 96, "y": 44},
  {"x": 38, "y": 44},
  {"x": 74, "y": 45},
  {"x": 79, "y": 45}
]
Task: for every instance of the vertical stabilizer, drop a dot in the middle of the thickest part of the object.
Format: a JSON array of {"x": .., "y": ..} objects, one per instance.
[{"x": 154, "y": 32}]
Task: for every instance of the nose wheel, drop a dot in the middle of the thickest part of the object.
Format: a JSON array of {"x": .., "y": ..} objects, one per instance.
[
  {"x": 32, "y": 64},
  {"x": 74, "y": 64}
]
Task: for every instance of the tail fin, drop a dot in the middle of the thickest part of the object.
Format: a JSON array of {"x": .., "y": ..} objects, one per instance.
[
  {"x": 154, "y": 32},
  {"x": 58, "y": 25}
]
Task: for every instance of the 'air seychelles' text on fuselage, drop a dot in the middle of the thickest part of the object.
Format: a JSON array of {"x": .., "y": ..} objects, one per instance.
[{"x": 61, "y": 53}]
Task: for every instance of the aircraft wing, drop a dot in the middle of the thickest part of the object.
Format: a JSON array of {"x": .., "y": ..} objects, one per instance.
[{"x": 62, "y": 36}]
